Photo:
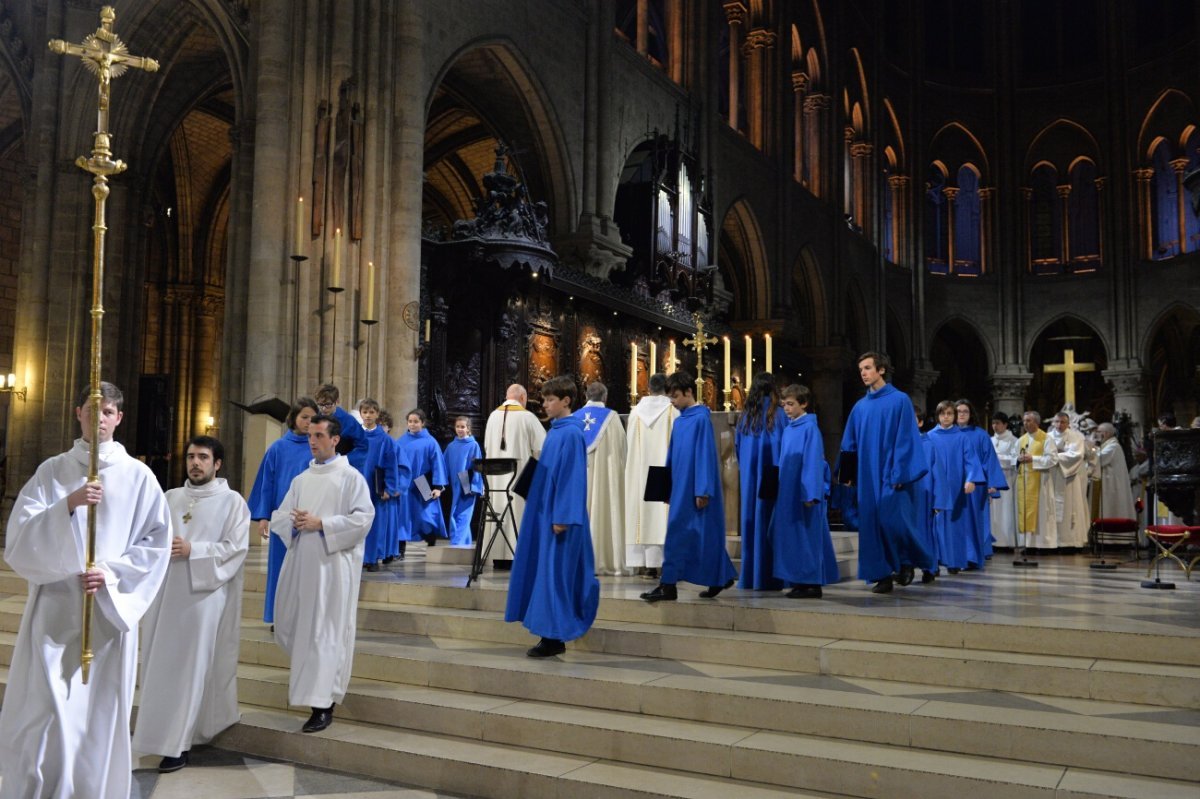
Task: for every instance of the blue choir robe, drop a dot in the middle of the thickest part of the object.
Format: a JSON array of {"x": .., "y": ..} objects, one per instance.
[
  {"x": 882, "y": 430},
  {"x": 553, "y": 589},
  {"x": 397, "y": 507},
  {"x": 283, "y": 460},
  {"x": 460, "y": 454},
  {"x": 979, "y": 510},
  {"x": 956, "y": 464},
  {"x": 928, "y": 507},
  {"x": 423, "y": 457},
  {"x": 695, "y": 547},
  {"x": 801, "y": 547},
  {"x": 383, "y": 477},
  {"x": 756, "y": 452},
  {"x": 353, "y": 432}
]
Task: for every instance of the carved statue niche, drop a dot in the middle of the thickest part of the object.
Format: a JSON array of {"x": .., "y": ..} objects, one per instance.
[
  {"x": 591, "y": 359},
  {"x": 543, "y": 360}
]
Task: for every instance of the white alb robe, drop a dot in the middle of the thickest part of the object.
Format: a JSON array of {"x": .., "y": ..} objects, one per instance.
[
  {"x": 316, "y": 603},
  {"x": 521, "y": 435},
  {"x": 647, "y": 436},
  {"x": 1004, "y": 507},
  {"x": 1045, "y": 531},
  {"x": 606, "y": 493},
  {"x": 1070, "y": 486},
  {"x": 60, "y": 738},
  {"x": 190, "y": 635},
  {"x": 1116, "y": 500}
]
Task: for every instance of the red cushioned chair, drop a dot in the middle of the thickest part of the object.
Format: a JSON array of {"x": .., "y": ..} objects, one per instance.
[{"x": 1113, "y": 529}]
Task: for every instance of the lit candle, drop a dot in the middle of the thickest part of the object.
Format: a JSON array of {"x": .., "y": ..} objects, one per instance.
[
  {"x": 369, "y": 300},
  {"x": 770, "y": 365},
  {"x": 336, "y": 282},
  {"x": 633, "y": 369},
  {"x": 671, "y": 358},
  {"x": 427, "y": 330},
  {"x": 749, "y": 362},
  {"x": 653, "y": 358},
  {"x": 299, "y": 227},
  {"x": 728, "y": 383}
]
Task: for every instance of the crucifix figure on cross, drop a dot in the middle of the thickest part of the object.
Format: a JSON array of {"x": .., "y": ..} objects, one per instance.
[
  {"x": 1068, "y": 369},
  {"x": 699, "y": 343}
]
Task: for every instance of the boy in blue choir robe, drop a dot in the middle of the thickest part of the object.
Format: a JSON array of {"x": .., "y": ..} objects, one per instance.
[
  {"x": 284, "y": 459},
  {"x": 382, "y": 482},
  {"x": 353, "y": 442},
  {"x": 958, "y": 471},
  {"x": 460, "y": 455},
  {"x": 695, "y": 547},
  {"x": 994, "y": 481},
  {"x": 553, "y": 590},
  {"x": 757, "y": 439},
  {"x": 801, "y": 545},
  {"x": 883, "y": 434},
  {"x": 423, "y": 457},
  {"x": 396, "y": 508},
  {"x": 927, "y": 506}
]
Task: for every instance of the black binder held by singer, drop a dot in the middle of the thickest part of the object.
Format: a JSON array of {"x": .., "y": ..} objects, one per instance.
[
  {"x": 658, "y": 484},
  {"x": 847, "y": 468},
  {"x": 525, "y": 480}
]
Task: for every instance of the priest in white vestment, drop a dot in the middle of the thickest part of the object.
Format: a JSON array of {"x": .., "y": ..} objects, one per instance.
[
  {"x": 324, "y": 520},
  {"x": 1070, "y": 482},
  {"x": 1003, "y": 504},
  {"x": 647, "y": 435},
  {"x": 605, "y": 440},
  {"x": 1116, "y": 500},
  {"x": 511, "y": 432},
  {"x": 58, "y": 737},
  {"x": 1037, "y": 521},
  {"x": 190, "y": 635}
]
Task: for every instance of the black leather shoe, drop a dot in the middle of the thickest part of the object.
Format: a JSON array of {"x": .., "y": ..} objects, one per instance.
[
  {"x": 953, "y": 571},
  {"x": 660, "y": 593},
  {"x": 884, "y": 586},
  {"x": 905, "y": 577},
  {"x": 372, "y": 567},
  {"x": 547, "y": 648},
  {"x": 805, "y": 592},
  {"x": 321, "y": 718},
  {"x": 169, "y": 764},
  {"x": 928, "y": 577},
  {"x": 713, "y": 590}
]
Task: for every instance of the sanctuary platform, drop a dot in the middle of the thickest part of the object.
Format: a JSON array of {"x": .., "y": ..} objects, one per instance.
[{"x": 1059, "y": 682}]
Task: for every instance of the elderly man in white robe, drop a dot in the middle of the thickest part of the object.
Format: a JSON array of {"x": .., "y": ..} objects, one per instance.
[
  {"x": 511, "y": 432},
  {"x": 605, "y": 440},
  {"x": 323, "y": 521},
  {"x": 1069, "y": 450},
  {"x": 647, "y": 435},
  {"x": 1116, "y": 500},
  {"x": 190, "y": 638},
  {"x": 59, "y": 737}
]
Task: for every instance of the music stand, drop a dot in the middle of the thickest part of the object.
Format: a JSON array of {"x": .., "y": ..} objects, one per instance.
[{"x": 493, "y": 467}]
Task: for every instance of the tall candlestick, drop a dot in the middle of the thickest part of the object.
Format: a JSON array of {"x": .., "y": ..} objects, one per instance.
[
  {"x": 369, "y": 299},
  {"x": 633, "y": 370},
  {"x": 671, "y": 357},
  {"x": 770, "y": 364},
  {"x": 653, "y": 358},
  {"x": 336, "y": 280},
  {"x": 299, "y": 249},
  {"x": 749, "y": 362},
  {"x": 728, "y": 382}
]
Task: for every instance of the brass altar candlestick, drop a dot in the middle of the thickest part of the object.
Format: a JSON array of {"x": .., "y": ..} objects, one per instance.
[{"x": 107, "y": 58}]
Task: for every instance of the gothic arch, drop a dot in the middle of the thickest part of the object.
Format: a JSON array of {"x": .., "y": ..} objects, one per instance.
[
  {"x": 1170, "y": 113},
  {"x": 955, "y": 144},
  {"x": 1061, "y": 143},
  {"x": 895, "y": 135},
  {"x": 808, "y": 301},
  {"x": 960, "y": 354},
  {"x": 1048, "y": 345},
  {"x": 1171, "y": 348},
  {"x": 1175, "y": 311},
  {"x": 490, "y": 80},
  {"x": 743, "y": 261},
  {"x": 966, "y": 324}
]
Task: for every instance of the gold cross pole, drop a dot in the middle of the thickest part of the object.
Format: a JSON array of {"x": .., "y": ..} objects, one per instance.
[
  {"x": 106, "y": 57},
  {"x": 1068, "y": 368},
  {"x": 699, "y": 343}
]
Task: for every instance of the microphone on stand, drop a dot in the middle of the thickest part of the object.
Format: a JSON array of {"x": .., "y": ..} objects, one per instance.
[{"x": 1025, "y": 562}]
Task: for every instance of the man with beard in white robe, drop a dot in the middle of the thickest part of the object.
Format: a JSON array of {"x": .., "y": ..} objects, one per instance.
[
  {"x": 1116, "y": 500},
  {"x": 1069, "y": 450},
  {"x": 190, "y": 638},
  {"x": 648, "y": 435},
  {"x": 605, "y": 442},
  {"x": 1003, "y": 504},
  {"x": 511, "y": 432},
  {"x": 324, "y": 520},
  {"x": 58, "y": 737}
]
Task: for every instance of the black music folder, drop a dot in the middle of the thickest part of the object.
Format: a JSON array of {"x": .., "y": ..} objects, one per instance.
[
  {"x": 847, "y": 467},
  {"x": 525, "y": 481},
  {"x": 658, "y": 484}
]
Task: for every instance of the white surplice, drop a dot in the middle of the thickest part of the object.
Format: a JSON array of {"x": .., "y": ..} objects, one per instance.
[
  {"x": 60, "y": 738},
  {"x": 647, "y": 436},
  {"x": 511, "y": 432},
  {"x": 1046, "y": 505},
  {"x": 1004, "y": 507},
  {"x": 1116, "y": 500},
  {"x": 606, "y": 494},
  {"x": 1070, "y": 486},
  {"x": 190, "y": 635},
  {"x": 316, "y": 603}
]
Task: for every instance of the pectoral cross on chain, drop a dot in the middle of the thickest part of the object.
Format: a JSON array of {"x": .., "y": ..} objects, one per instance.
[{"x": 699, "y": 343}]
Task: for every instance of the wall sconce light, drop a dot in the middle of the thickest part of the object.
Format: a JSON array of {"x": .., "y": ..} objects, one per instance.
[
  {"x": 212, "y": 426},
  {"x": 8, "y": 385}
]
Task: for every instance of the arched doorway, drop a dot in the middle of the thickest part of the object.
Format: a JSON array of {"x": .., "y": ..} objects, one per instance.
[
  {"x": 961, "y": 359},
  {"x": 743, "y": 263},
  {"x": 1172, "y": 359},
  {"x": 1047, "y": 391}
]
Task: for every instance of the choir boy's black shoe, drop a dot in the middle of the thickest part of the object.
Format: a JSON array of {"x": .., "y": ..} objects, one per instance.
[
  {"x": 660, "y": 593},
  {"x": 430, "y": 539},
  {"x": 952, "y": 571},
  {"x": 805, "y": 592},
  {"x": 905, "y": 577},
  {"x": 372, "y": 567},
  {"x": 712, "y": 591},
  {"x": 321, "y": 718},
  {"x": 884, "y": 586},
  {"x": 547, "y": 648},
  {"x": 389, "y": 559},
  {"x": 928, "y": 577},
  {"x": 169, "y": 764}
]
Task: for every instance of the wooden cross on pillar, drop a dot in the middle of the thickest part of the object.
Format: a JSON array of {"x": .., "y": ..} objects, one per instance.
[
  {"x": 699, "y": 343},
  {"x": 1068, "y": 368}
]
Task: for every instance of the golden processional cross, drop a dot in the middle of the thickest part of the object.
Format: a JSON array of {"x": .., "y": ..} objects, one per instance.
[
  {"x": 1068, "y": 368},
  {"x": 106, "y": 57},
  {"x": 699, "y": 343}
]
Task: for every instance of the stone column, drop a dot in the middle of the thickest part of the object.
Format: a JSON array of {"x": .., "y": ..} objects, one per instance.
[
  {"x": 799, "y": 87},
  {"x": 1129, "y": 392},
  {"x": 861, "y": 152},
  {"x": 898, "y": 186},
  {"x": 1180, "y": 165},
  {"x": 1145, "y": 220},
  {"x": 829, "y": 365},
  {"x": 735, "y": 13},
  {"x": 951, "y": 194},
  {"x": 814, "y": 121},
  {"x": 753, "y": 50},
  {"x": 1008, "y": 391},
  {"x": 643, "y": 26},
  {"x": 923, "y": 379},
  {"x": 985, "y": 238},
  {"x": 1064, "y": 197}
]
